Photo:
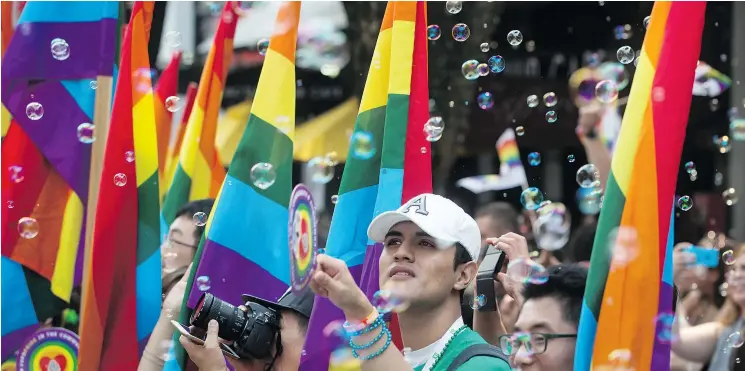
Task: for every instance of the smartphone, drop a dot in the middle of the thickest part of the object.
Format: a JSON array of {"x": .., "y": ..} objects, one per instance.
[
  {"x": 493, "y": 263},
  {"x": 185, "y": 331},
  {"x": 705, "y": 256}
]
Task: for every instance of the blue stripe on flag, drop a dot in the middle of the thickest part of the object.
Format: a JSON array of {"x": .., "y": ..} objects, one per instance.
[
  {"x": 15, "y": 295},
  {"x": 667, "y": 270},
  {"x": 588, "y": 326},
  {"x": 149, "y": 295},
  {"x": 68, "y": 11},
  {"x": 84, "y": 96},
  {"x": 348, "y": 237}
]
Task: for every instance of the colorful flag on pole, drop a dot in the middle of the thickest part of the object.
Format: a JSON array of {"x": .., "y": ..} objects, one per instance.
[
  {"x": 393, "y": 112},
  {"x": 628, "y": 304},
  {"x": 246, "y": 241},
  {"x": 511, "y": 170},
  {"x": 175, "y": 147},
  {"x": 199, "y": 172},
  {"x": 60, "y": 47},
  {"x": 166, "y": 88},
  {"x": 121, "y": 289}
]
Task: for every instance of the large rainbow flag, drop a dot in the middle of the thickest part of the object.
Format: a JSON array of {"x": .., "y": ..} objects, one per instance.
[
  {"x": 199, "y": 172},
  {"x": 121, "y": 288},
  {"x": 167, "y": 87},
  {"x": 393, "y": 110},
  {"x": 246, "y": 235},
  {"x": 621, "y": 304},
  {"x": 45, "y": 165},
  {"x": 175, "y": 147}
]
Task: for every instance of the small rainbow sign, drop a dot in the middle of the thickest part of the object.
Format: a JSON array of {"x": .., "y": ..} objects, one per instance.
[
  {"x": 52, "y": 349},
  {"x": 303, "y": 237}
]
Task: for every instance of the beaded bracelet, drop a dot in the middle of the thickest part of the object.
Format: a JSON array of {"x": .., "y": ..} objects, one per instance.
[
  {"x": 377, "y": 352},
  {"x": 369, "y": 344},
  {"x": 369, "y": 320},
  {"x": 375, "y": 324}
]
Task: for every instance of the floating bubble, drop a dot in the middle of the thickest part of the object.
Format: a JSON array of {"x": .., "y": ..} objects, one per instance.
[
  {"x": 94, "y": 84},
  {"x": 263, "y": 175},
  {"x": 172, "y": 103},
  {"x": 570, "y": 158},
  {"x": 120, "y": 179},
  {"x": 737, "y": 129},
  {"x": 728, "y": 257},
  {"x": 60, "y": 49},
  {"x": 15, "y": 173},
  {"x": 520, "y": 131},
  {"x": 550, "y": 99},
  {"x": 453, "y": 7},
  {"x": 525, "y": 270},
  {"x": 622, "y": 32},
  {"x": 483, "y": 69},
  {"x": 386, "y": 301},
  {"x": 169, "y": 312},
  {"x": 485, "y": 100},
  {"x": 722, "y": 143},
  {"x": 478, "y": 302},
  {"x": 363, "y": 145},
  {"x": 551, "y": 117},
  {"x": 620, "y": 357},
  {"x": 28, "y": 228},
  {"x": 199, "y": 218},
  {"x": 729, "y": 196},
  {"x": 534, "y": 158},
  {"x": 616, "y": 73},
  {"x": 173, "y": 39},
  {"x": 334, "y": 199},
  {"x": 588, "y": 176},
  {"x": 690, "y": 167},
  {"x": 129, "y": 156},
  {"x": 461, "y": 32},
  {"x": 470, "y": 69},
  {"x": 646, "y": 21},
  {"x": 515, "y": 37},
  {"x": 10, "y": 204},
  {"x": 262, "y": 46},
  {"x": 203, "y": 283},
  {"x": 625, "y": 54},
  {"x": 484, "y": 47},
  {"x": 496, "y": 63},
  {"x": 624, "y": 244},
  {"x": 321, "y": 169},
  {"x": 433, "y": 32},
  {"x": 434, "y": 128},
  {"x": 532, "y": 101},
  {"x": 552, "y": 226},
  {"x": 86, "y": 133},
  {"x": 531, "y": 198},
  {"x": 735, "y": 339},
  {"x": 685, "y": 203},
  {"x": 589, "y": 200},
  {"x": 606, "y": 91},
  {"x": 34, "y": 111}
]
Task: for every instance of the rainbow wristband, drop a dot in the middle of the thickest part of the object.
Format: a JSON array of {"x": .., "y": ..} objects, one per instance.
[{"x": 375, "y": 324}]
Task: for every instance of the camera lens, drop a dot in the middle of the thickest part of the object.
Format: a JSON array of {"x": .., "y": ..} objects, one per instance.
[{"x": 231, "y": 319}]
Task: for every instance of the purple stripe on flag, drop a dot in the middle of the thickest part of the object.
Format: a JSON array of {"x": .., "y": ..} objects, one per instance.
[
  {"x": 661, "y": 350},
  {"x": 80, "y": 258},
  {"x": 231, "y": 275},
  {"x": 55, "y": 134},
  {"x": 29, "y": 54},
  {"x": 14, "y": 341},
  {"x": 370, "y": 277},
  {"x": 316, "y": 353}
]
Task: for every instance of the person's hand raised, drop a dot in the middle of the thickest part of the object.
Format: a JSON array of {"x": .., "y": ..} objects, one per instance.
[
  {"x": 333, "y": 280},
  {"x": 589, "y": 116},
  {"x": 683, "y": 274},
  {"x": 514, "y": 245},
  {"x": 207, "y": 357}
]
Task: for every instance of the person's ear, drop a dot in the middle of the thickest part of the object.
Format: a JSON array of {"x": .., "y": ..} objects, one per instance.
[{"x": 465, "y": 273}]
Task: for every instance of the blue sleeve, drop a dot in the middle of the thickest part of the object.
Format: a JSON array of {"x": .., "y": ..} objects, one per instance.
[{"x": 480, "y": 363}]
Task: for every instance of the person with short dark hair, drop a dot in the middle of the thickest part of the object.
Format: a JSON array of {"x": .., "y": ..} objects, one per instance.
[
  {"x": 496, "y": 219},
  {"x": 184, "y": 234},
  {"x": 579, "y": 248}
]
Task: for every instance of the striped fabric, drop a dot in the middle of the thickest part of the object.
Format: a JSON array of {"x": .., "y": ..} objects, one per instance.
[
  {"x": 51, "y": 181},
  {"x": 121, "y": 288},
  {"x": 11, "y": 11},
  {"x": 622, "y": 304},
  {"x": 175, "y": 147},
  {"x": 394, "y": 109},
  {"x": 166, "y": 87},
  {"x": 246, "y": 236},
  {"x": 509, "y": 155},
  {"x": 199, "y": 172}
]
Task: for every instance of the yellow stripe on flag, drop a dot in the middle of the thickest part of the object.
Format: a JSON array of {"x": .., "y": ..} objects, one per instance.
[
  {"x": 145, "y": 138},
  {"x": 67, "y": 254}
]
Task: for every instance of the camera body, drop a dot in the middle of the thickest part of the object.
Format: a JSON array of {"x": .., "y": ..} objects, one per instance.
[
  {"x": 492, "y": 264},
  {"x": 253, "y": 333}
]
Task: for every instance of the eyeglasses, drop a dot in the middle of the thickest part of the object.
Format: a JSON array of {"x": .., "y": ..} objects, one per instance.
[
  {"x": 170, "y": 242},
  {"x": 533, "y": 343}
]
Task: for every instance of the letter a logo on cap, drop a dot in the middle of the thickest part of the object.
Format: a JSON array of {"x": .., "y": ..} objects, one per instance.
[{"x": 420, "y": 203}]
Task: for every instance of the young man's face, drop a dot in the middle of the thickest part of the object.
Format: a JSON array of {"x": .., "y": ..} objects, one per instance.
[
  {"x": 545, "y": 315},
  {"x": 414, "y": 269},
  {"x": 179, "y": 246}
]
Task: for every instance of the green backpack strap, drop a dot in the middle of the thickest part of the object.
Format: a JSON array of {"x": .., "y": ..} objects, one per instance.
[{"x": 476, "y": 350}]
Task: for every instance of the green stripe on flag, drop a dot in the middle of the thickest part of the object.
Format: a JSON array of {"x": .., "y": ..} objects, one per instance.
[
  {"x": 178, "y": 194},
  {"x": 148, "y": 220},
  {"x": 360, "y": 173},
  {"x": 397, "y": 115}
]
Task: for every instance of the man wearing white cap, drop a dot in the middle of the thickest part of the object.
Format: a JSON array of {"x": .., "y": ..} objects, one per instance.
[{"x": 428, "y": 259}]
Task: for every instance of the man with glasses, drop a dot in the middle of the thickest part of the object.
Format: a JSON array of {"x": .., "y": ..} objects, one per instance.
[
  {"x": 546, "y": 328},
  {"x": 180, "y": 244}
]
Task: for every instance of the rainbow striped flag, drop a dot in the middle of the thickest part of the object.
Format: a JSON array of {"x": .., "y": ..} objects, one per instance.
[
  {"x": 199, "y": 172},
  {"x": 167, "y": 87},
  {"x": 121, "y": 287},
  {"x": 393, "y": 111},
  {"x": 244, "y": 211},
  {"x": 45, "y": 165},
  {"x": 11, "y": 11},
  {"x": 175, "y": 147},
  {"x": 508, "y": 152},
  {"x": 624, "y": 303}
]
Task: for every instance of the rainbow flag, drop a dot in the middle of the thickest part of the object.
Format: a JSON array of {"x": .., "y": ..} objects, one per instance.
[
  {"x": 199, "y": 172},
  {"x": 243, "y": 210},
  {"x": 45, "y": 165},
  {"x": 167, "y": 87},
  {"x": 393, "y": 111},
  {"x": 11, "y": 11},
  {"x": 507, "y": 150},
  {"x": 121, "y": 288},
  {"x": 623, "y": 301},
  {"x": 175, "y": 147}
]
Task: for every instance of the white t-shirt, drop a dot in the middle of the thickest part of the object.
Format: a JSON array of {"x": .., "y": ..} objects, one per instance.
[{"x": 416, "y": 358}]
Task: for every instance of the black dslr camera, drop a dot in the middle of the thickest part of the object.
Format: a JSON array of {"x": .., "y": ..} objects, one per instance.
[
  {"x": 252, "y": 333},
  {"x": 492, "y": 264}
]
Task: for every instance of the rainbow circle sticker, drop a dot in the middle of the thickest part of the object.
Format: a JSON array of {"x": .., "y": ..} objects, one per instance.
[
  {"x": 52, "y": 349},
  {"x": 303, "y": 237}
]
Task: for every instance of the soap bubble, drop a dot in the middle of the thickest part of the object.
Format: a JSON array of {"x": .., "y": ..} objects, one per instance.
[
  {"x": 478, "y": 302},
  {"x": 514, "y": 37},
  {"x": 363, "y": 145},
  {"x": 496, "y": 63},
  {"x": 203, "y": 283},
  {"x": 433, "y": 32},
  {"x": 550, "y": 99},
  {"x": 262, "y": 46},
  {"x": 531, "y": 198},
  {"x": 625, "y": 54},
  {"x": 525, "y": 270},
  {"x": 172, "y": 103},
  {"x": 606, "y": 91},
  {"x": 551, "y": 117},
  {"x": 120, "y": 179},
  {"x": 86, "y": 133},
  {"x": 534, "y": 159},
  {"x": 453, "y": 7},
  {"x": 28, "y": 228},
  {"x": 34, "y": 111},
  {"x": 729, "y": 196},
  {"x": 263, "y": 175},
  {"x": 485, "y": 100},
  {"x": 386, "y": 301},
  {"x": 520, "y": 131},
  {"x": 470, "y": 69},
  {"x": 60, "y": 49},
  {"x": 321, "y": 169},
  {"x": 461, "y": 32},
  {"x": 16, "y": 173},
  {"x": 484, "y": 47},
  {"x": 588, "y": 176},
  {"x": 434, "y": 128},
  {"x": 532, "y": 101},
  {"x": 685, "y": 203},
  {"x": 199, "y": 218}
]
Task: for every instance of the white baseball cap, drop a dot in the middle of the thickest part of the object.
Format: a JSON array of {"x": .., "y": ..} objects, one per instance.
[{"x": 436, "y": 216}]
